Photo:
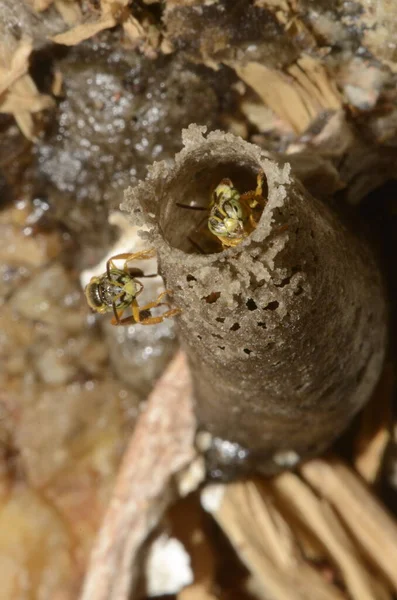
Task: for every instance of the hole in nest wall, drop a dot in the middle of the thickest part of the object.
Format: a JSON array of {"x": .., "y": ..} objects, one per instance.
[
  {"x": 185, "y": 204},
  {"x": 211, "y": 298},
  {"x": 272, "y": 305},
  {"x": 251, "y": 304}
]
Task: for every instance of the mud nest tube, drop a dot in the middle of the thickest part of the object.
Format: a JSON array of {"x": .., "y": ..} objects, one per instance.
[{"x": 286, "y": 332}]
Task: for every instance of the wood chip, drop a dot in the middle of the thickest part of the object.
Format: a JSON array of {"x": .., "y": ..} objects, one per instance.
[
  {"x": 321, "y": 520},
  {"x": 18, "y": 67},
  {"x": 298, "y": 98},
  {"x": 162, "y": 445},
  {"x": 265, "y": 543},
  {"x": 40, "y": 5},
  {"x": 365, "y": 517},
  {"x": 69, "y": 10},
  {"x": 18, "y": 93},
  {"x": 375, "y": 428},
  {"x": 84, "y": 31},
  {"x": 16, "y": 103},
  {"x": 111, "y": 14}
]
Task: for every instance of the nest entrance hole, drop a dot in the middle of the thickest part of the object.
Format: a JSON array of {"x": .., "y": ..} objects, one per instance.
[{"x": 185, "y": 210}]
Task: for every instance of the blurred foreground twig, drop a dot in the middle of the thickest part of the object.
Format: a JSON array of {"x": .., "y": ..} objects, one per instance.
[{"x": 162, "y": 444}]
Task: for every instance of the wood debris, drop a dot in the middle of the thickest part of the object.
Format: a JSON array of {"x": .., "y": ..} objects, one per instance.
[
  {"x": 375, "y": 429},
  {"x": 111, "y": 13},
  {"x": 297, "y": 98},
  {"x": 19, "y": 95},
  {"x": 69, "y": 10},
  {"x": 363, "y": 515},
  {"x": 317, "y": 515},
  {"x": 40, "y": 5},
  {"x": 265, "y": 542},
  {"x": 19, "y": 65},
  {"x": 142, "y": 34}
]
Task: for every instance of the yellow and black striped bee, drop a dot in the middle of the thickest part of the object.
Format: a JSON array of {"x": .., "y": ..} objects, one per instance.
[
  {"x": 233, "y": 216},
  {"x": 118, "y": 289}
]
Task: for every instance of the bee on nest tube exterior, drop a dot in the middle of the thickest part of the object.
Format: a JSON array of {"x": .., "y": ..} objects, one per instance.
[{"x": 117, "y": 289}]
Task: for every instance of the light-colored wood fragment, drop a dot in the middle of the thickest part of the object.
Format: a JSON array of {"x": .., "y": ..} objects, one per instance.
[
  {"x": 320, "y": 519},
  {"x": 84, "y": 31},
  {"x": 19, "y": 65},
  {"x": 297, "y": 98},
  {"x": 56, "y": 87},
  {"x": 265, "y": 543},
  {"x": 40, "y": 5},
  {"x": 368, "y": 521},
  {"x": 111, "y": 14},
  {"x": 319, "y": 83},
  {"x": 18, "y": 93},
  {"x": 162, "y": 444},
  {"x": 277, "y": 92},
  {"x": 375, "y": 428},
  {"x": 16, "y": 103},
  {"x": 69, "y": 10}
]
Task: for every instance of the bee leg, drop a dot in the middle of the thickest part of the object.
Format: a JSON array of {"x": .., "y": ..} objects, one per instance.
[
  {"x": 143, "y": 254},
  {"x": 160, "y": 318},
  {"x": 151, "y": 305},
  {"x": 252, "y": 199},
  {"x": 156, "y": 303},
  {"x": 110, "y": 265},
  {"x": 127, "y": 256},
  {"x": 259, "y": 183},
  {"x": 127, "y": 320},
  {"x": 255, "y": 198},
  {"x": 117, "y": 315}
]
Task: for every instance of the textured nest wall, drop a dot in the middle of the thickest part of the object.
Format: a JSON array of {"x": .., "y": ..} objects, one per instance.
[{"x": 286, "y": 332}]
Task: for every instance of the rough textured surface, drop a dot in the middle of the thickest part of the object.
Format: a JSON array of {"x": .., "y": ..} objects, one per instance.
[
  {"x": 286, "y": 332},
  {"x": 112, "y": 121}
]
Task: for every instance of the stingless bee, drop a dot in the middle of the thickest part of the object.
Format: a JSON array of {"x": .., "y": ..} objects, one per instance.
[
  {"x": 231, "y": 214},
  {"x": 118, "y": 289},
  {"x": 231, "y": 217}
]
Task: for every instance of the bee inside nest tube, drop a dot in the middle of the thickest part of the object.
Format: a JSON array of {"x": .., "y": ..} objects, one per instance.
[
  {"x": 228, "y": 215},
  {"x": 286, "y": 330}
]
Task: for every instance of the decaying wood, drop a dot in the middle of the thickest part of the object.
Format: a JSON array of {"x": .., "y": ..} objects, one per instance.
[
  {"x": 364, "y": 516},
  {"x": 162, "y": 444},
  {"x": 298, "y": 98}
]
